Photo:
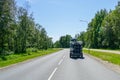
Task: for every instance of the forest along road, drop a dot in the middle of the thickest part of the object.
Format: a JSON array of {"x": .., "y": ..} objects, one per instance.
[{"x": 58, "y": 66}]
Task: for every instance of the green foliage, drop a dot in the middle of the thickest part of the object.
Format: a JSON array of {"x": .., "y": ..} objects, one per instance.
[
  {"x": 111, "y": 30},
  {"x": 7, "y": 10},
  {"x": 57, "y": 44},
  {"x": 15, "y": 58},
  {"x": 32, "y": 50},
  {"x": 18, "y": 30},
  {"x": 64, "y": 42},
  {"x": 81, "y": 37},
  {"x": 110, "y": 57},
  {"x": 103, "y": 30}
]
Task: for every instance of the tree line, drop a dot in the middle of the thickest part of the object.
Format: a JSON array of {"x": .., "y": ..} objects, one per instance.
[
  {"x": 63, "y": 42},
  {"x": 103, "y": 31},
  {"x": 19, "y": 31}
]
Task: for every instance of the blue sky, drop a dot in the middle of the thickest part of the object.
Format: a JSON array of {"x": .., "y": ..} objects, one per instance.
[{"x": 61, "y": 17}]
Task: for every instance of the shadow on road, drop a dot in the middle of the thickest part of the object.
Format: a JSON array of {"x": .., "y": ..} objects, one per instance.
[{"x": 75, "y": 58}]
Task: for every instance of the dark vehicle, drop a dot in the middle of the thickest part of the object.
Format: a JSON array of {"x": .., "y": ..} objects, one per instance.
[{"x": 76, "y": 49}]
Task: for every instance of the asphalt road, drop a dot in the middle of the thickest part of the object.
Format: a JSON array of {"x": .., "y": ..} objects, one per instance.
[{"x": 59, "y": 66}]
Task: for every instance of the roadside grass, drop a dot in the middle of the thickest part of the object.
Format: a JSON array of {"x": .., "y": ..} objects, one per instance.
[
  {"x": 110, "y": 49},
  {"x": 106, "y": 49},
  {"x": 110, "y": 57},
  {"x": 16, "y": 58}
]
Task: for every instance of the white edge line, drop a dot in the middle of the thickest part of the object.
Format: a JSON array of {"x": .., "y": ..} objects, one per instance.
[
  {"x": 52, "y": 74},
  {"x": 60, "y": 61}
]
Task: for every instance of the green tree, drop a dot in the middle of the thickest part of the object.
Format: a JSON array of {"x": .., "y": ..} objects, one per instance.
[
  {"x": 93, "y": 37},
  {"x": 23, "y": 26},
  {"x": 111, "y": 29},
  {"x": 57, "y": 44},
  {"x": 81, "y": 37},
  {"x": 7, "y": 12},
  {"x": 64, "y": 42}
]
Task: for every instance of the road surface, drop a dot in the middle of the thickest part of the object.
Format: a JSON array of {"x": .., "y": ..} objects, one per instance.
[{"x": 59, "y": 66}]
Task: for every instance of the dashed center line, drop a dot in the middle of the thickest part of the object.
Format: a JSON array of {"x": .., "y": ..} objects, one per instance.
[
  {"x": 56, "y": 68},
  {"x": 60, "y": 61},
  {"x": 52, "y": 74}
]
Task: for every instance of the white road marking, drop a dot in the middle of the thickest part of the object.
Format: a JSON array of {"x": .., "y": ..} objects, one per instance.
[
  {"x": 60, "y": 61},
  {"x": 63, "y": 56},
  {"x": 56, "y": 68},
  {"x": 52, "y": 74}
]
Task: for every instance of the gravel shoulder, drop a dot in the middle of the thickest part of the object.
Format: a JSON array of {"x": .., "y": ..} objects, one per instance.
[{"x": 110, "y": 51}]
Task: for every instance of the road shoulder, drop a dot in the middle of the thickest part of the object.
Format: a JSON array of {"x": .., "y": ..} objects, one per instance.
[{"x": 115, "y": 68}]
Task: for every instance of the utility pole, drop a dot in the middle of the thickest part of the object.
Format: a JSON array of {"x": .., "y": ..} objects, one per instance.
[{"x": 87, "y": 24}]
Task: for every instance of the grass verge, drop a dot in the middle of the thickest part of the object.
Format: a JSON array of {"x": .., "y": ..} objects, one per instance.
[
  {"x": 110, "y": 57},
  {"x": 16, "y": 58}
]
